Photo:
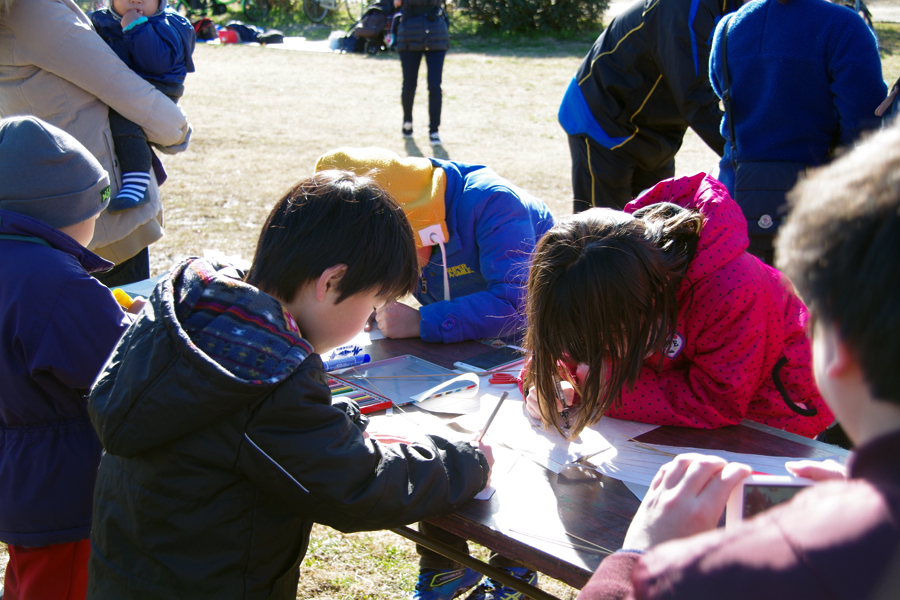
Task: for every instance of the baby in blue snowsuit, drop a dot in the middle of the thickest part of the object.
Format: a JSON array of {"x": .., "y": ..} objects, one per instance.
[{"x": 158, "y": 45}]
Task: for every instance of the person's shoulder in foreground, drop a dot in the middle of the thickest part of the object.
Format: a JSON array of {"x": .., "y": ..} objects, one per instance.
[
  {"x": 838, "y": 538},
  {"x": 223, "y": 446},
  {"x": 58, "y": 326}
]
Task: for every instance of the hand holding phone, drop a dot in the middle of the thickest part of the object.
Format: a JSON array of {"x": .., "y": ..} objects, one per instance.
[{"x": 758, "y": 493}]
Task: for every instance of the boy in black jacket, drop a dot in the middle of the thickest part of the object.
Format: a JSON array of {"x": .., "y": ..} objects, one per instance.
[{"x": 222, "y": 443}]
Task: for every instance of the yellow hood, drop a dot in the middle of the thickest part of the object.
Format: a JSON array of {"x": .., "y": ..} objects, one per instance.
[{"x": 414, "y": 182}]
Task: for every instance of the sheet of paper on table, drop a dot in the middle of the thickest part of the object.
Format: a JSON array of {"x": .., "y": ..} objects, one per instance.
[
  {"x": 637, "y": 463},
  {"x": 515, "y": 429}
]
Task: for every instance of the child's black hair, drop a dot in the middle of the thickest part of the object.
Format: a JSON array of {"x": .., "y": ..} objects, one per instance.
[
  {"x": 330, "y": 218},
  {"x": 841, "y": 248},
  {"x": 601, "y": 291}
]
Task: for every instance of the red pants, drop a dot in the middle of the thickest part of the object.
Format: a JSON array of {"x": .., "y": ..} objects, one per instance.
[{"x": 56, "y": 572}]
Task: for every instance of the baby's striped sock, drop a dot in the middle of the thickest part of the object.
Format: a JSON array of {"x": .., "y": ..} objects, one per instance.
[{"x": 132, "y": 194}]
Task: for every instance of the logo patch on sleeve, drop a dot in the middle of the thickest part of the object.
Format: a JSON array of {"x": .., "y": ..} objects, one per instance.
[{"x": 676, "y": 345}]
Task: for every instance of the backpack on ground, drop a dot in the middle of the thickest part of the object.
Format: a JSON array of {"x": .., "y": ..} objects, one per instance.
[
  {"x": 205, "y": 29},
  {"x": 374, "y": 26}
]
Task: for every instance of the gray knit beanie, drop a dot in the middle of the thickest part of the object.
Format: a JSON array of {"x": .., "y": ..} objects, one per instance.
[{"x": 47, "y": 174}]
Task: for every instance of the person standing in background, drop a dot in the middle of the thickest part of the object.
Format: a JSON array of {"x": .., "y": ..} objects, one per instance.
[
  {"x": 54, "y": 66},
  {"x": 424, "y": 32},
  {"x": 822, "y": 83},
  {"x": 643, "y": 83}
]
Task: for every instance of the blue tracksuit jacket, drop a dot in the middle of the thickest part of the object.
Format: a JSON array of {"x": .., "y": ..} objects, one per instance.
[{"x": 493, "y": 227}]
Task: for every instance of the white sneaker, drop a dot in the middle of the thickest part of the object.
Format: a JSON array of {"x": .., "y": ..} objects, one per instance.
[
  {"x": 407, "y": 129},
  {"x": 434, "y": 139}
]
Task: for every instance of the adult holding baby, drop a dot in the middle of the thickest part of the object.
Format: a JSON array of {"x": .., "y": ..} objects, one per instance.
[{"x": 53, "y": 65}]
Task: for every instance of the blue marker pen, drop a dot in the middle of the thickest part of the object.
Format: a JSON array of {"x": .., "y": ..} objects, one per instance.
[{"x": 346, "y": 361}]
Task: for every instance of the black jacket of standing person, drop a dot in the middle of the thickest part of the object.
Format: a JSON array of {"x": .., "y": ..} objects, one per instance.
[
  {"x": 211, "y": 480},
  {"x": 646, "y": 80},
  {"x": 423, "y": 27}
]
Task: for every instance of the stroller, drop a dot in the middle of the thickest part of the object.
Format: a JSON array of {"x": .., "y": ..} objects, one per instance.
[{"x": 374, "y": 31}]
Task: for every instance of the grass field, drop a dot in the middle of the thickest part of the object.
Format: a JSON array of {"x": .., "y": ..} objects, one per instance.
[{"x": 262, "y": 116}]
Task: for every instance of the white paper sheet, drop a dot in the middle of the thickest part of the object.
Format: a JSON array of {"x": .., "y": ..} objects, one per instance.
[
  {"x": 515, "y": 429},
  {"x": 634, "y": 463}
]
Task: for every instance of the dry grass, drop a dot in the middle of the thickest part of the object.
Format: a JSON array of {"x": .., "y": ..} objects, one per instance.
[{"x": 262, "y": 116}]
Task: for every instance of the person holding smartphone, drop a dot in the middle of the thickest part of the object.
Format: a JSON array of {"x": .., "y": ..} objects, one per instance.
[{"x": 838, "y": 538}]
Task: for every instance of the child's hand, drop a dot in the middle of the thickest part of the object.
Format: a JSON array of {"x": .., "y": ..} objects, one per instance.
[
  {"x": 817, "y": 470},
  {"x": 532, "y": 403},
  {"x": 131, "y": 16},
  {"x": 387, "y": 438},
  {"x": 137, "y": 304},
  {"x": 489, "y": 456},
  {"x": 686, "y": 497},
  {"x": 396, "y": 320}
]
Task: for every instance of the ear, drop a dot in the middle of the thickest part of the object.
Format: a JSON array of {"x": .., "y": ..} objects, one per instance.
[
  {"x": 839, "y": 360},
  {"x": 329, "y": 281}
]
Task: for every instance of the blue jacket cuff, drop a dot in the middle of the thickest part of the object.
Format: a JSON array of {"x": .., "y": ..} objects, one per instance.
[
  {"x": 135, "y": 23},
  {"x": 429, "y": 331}
]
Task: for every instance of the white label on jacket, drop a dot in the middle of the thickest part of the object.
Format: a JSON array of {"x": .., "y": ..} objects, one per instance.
[{"x": 676, "y": 345}]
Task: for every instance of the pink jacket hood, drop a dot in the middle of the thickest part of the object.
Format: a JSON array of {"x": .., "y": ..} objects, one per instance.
[{"x": 724, "y": 234}]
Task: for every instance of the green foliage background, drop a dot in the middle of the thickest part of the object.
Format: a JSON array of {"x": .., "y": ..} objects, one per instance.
[{"x": 536, "y": 16}]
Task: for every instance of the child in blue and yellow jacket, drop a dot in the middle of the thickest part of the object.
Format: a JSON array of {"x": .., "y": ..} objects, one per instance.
[
  {"x": 58, "y": 326},
  {"x": 158, "y": 44},
  {"x": 475, "y": 232}
]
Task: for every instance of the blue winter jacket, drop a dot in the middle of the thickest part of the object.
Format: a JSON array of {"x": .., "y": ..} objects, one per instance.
[
  {"x": 805, "y": 75},
  {"x": 493, "y": 227},
  {"x": 58, "y": 326},
  {"x": 159, "y": 48}
]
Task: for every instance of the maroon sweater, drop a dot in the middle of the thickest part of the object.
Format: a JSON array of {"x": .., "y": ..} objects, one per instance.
[{"x": 834, "y": 540}]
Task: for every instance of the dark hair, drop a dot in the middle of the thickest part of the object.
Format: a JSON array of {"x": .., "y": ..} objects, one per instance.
[
  {"x": 601, "y": 291},
  {"x": 841, "y": 248},
  {"x": 331, "y": 218}
]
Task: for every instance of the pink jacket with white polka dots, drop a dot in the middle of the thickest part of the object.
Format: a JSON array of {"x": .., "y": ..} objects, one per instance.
[{"x": 740, "y": 350}]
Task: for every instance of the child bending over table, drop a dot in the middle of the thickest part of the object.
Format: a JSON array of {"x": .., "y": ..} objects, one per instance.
[
  {"x": 658, "y": 314},
  {"x": 475, "y": 233},
  {"x": 223, "y": 445},
  {"x": 838, "y": 538}
]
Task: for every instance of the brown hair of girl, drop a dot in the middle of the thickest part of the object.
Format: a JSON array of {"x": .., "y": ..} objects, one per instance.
[{"x": 601, "y": 291}]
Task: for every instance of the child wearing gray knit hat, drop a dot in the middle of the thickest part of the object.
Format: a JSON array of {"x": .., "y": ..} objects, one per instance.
[
  {"x": 47, "y": 174},
  {"x": 58, "y": 328}
]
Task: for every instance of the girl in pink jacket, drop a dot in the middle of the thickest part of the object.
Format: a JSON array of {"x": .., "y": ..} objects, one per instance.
[{"x": 657, "y": 314}]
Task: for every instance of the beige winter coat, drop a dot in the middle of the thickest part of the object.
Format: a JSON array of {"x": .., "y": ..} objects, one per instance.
[{"x": 53, "y": 65}]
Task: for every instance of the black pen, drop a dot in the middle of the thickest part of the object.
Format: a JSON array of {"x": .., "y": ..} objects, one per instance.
[{"x": 491, "y": 418}]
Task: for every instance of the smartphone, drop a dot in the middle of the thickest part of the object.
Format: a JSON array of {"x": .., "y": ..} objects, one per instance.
[
  {"x": 492, "y": 359},
  {"x": 760, "y": 492}
]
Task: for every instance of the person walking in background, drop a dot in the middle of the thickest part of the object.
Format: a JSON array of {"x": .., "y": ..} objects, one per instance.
[
  {"x": 643, "y": 83},
  {"x": 53, "y": 65},
  {"x": 423, "y": 31},
  {"x": 803, "y": 77}
]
